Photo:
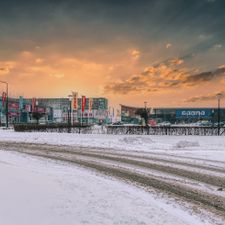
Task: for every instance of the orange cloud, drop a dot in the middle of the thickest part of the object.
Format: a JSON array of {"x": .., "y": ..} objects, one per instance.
[
  {"x": 168, "y": 45},
  {"x": 164, "y": 77},
  {"x": 39, "y": 60},
  {"x": 39, "y": 74},
  {"x": 58, "y": 75},
  {"x": 135, "y": 54},
  {"x": 6, "y": 67},
  {"x": 26, "y": 54}
]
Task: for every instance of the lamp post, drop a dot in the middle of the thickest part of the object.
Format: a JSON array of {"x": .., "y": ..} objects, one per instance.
[
  {"x": 219, "y": 96},
  {"x": 146, "y": 114},
  {"x": 70, "y": 110},
  {"x": 7, "y": 103}
]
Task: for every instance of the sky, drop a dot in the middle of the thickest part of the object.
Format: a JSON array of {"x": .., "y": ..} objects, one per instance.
[{"x": 167, "y": 53}]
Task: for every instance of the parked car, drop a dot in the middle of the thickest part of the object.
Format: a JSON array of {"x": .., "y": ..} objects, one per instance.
[
  {"x": 222, "y": 124},
  {"x": 119, "y": 123},
  {"x": 164, "y": 124},
  {"x": 206, "y": 124}
]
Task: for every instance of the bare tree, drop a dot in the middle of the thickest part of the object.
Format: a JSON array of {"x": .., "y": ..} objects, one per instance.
[
  {"x": 37, "y": 116},
  {"x": 143, "y": 113}
]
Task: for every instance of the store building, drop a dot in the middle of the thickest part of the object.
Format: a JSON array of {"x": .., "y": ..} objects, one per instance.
[
  {"x": 173, "y": 115},
  {"x": 54, "y": 110},
  {"x": 187, "y": 115},
  {"x": 128, "y": 114}
]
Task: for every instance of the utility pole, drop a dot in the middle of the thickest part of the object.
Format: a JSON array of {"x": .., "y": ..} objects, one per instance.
[
  {"x": 219, "y": 96},
  {"x": 69, "y": 113},
  {"x": 146, "y": 114},
  {"x": 7, "y": 102},
  {"x": 7, "y": 105}
]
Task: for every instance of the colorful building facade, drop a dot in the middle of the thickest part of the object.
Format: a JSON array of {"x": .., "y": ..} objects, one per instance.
[{"x": 54, "y": 110}]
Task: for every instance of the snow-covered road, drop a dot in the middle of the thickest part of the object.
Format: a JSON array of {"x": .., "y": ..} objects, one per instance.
[
  {"x": 188, "y": 169},
  {"x": 42, "y": 192}
]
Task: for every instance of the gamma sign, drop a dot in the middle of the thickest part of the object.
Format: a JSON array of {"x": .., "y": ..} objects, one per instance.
[{"x": 198, "y": 113}]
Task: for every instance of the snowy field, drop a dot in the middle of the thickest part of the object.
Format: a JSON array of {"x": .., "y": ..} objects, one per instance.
[
  {"x": 36, "y": 191},
  {"x": 212, "y": 147}
]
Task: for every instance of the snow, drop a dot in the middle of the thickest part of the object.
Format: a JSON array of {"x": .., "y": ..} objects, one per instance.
[
  {"x": 204, "y": 147},
  {"x": 184, "y": 144},
  {"x": 43, "y": 192}
]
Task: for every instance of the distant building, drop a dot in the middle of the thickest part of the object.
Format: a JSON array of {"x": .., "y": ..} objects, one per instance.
[
  {"x": 61, "y": 107},
  {"x": 57, "y": 108},
  {"x": 173, "y": 115},
  {"x": 128, "y": 114},
  {"x": 19, "y": 111},
  {"x": 54, "y": 110},
  {"x": 187, "y": 115}
]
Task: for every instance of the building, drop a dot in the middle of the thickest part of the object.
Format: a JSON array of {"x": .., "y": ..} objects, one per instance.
[
  {"x": 187, "y": 115},
  {"x": 13, "y": 108},
  {"x": 54, "y": 110},
  {"x": 61, "y": 110},
  {"x": 173, "y": 115},
  {"x": 57, "y": 108},
  {"x": 19, "y": 111},
  {"x": 128, "y": 114}
]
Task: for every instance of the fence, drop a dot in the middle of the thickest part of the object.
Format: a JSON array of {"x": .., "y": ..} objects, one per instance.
[
  {"x": 116, "y": 130},
  {"x": 166, "y": 130},
  {"x": 59, "y": 128}
]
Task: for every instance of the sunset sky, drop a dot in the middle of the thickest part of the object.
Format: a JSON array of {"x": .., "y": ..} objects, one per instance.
[{"x": 166, "y": 52}]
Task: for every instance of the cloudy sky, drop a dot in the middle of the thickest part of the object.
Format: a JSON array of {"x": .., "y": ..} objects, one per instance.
[{"x": 168, "y": 53}]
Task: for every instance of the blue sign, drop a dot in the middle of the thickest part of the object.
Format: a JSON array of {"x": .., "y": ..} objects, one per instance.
[{"x": 193, "y": 113}]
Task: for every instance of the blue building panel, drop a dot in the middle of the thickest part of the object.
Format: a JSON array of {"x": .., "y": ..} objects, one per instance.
[{"x": 194, "y": 113}]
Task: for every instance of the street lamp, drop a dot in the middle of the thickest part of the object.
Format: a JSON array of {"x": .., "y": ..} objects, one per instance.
[
  {"x": 146, "y": 114},
  {"x": 70, "y": 110},
  {"x": 7, "y": 102},
  {"x": 219, "y": 96}
]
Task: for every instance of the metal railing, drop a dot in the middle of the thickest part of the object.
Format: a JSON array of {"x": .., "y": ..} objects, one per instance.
[{"x": 165, "y": 130}]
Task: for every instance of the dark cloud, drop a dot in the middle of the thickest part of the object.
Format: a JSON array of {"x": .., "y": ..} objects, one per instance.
[
  {"x": 75, "y": 23},
  {"x": 201, "y": 98},
  {"x": 135, "y": 84},
  {"x": 205, "y": 76}
]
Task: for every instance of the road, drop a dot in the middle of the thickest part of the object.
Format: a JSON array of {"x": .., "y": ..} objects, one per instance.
[{"x": 196, "y": 181}]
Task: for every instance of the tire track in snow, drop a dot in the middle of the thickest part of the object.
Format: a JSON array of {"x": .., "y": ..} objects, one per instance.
[
  {"x": 213, "y": 203},
  {"x": 190, "y": 174},
  {"x": 210, "y": 201}
]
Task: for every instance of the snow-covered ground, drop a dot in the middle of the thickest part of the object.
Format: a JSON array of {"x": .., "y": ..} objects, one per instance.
[
  {"x": 208, "y": 147},
  {"x": 42, "y": 192}
]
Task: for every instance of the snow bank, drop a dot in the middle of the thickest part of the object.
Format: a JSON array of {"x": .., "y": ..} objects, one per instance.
[
  {"x": 185, "y": 144},
  {"x": 139, "y": 140}
]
